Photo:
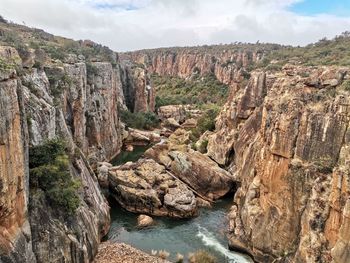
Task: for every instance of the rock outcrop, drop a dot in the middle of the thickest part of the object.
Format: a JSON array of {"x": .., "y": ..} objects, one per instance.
[
  {"x": 138, "y": 91},
  {"x": 285, "y": 138},
  {"x": 75, "y": 100},
  {"x": 226, "y": 64},
  {"x": 198, "y": 171},
  {"x": 15, "y": 233},
  {"x": 146, "y": 187}
]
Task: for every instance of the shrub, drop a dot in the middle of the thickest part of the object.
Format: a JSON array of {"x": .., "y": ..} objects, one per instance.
[
  {"x": 139, "y": 120},
  {"x": 49, "y": 171},
  {"x": 346, "y": 85},
  {"x": 202, "y": 256},
  {"x": 205, "y": 123},
  {"x": 91, "y": 69},
  {"x": 163, "y": 254}
]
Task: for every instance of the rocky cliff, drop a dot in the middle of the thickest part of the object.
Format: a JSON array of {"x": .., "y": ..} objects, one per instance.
[
  {"x": 285, "y": 138},
  {"x": 74, "y": 99},
  {"x": 227, "y": 64}
]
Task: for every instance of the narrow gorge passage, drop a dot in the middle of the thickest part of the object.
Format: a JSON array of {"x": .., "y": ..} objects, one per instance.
[{"x": 207, "y": 231}]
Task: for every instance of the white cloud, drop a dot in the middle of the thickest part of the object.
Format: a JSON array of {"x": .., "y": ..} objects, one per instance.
[{"x": 136, "y": 24}]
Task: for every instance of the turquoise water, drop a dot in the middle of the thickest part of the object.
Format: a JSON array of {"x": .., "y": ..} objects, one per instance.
[
  {"x": 206, "y": 232},
  {"x": 184, "y": 236}
]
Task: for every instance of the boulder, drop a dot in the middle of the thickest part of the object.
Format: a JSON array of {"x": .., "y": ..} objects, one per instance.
[
  {"x": 171, "y": 123},
  {"x": 144, "y": 221},
  {"x": 146, "y": 187},
  {"x": 201, "y": 173}
]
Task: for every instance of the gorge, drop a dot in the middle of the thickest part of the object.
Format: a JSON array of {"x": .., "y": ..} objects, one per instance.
[{"x": 279, "y": 149}]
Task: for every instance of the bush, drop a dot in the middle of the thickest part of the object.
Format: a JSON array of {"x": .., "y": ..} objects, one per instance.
[
  {"x": 346, "y": 85},
  {"x": 139, "y": 120},
  {"x": 49, "y": 171},
  {"x": 91, "y": 69},
  {"x": 205, "y": 123},
  {"x": 202, "y": 256}
]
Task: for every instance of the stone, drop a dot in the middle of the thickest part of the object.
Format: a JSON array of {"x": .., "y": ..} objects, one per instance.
[
  {"x": 146, "y": 187},
  {"x": 171, "y": 123},
  {"x": 201, "y": 173},
  {"x": 144, "y": 221},
  {"x": 129, "y": 148}
]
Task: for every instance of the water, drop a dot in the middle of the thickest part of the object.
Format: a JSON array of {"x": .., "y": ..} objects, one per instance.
[
  {"x": 206, "y": 232},
  {"x": 133, "y": 156},
  {"x": 184, "y": 236}
]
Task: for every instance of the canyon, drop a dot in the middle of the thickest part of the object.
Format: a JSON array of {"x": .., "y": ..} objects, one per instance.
[{"x": 280, "y": 146}]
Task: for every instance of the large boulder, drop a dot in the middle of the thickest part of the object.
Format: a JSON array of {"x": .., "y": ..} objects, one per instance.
[
  {"x": 146, "y": 187},
  {"x": 201, "y": 173}
]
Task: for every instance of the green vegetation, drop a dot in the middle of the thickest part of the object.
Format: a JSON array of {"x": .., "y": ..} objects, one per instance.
[
  {"x": 49, "y": 171},
  {"x": 345, "y": 85},
  {"x": 198, "y": 90},
  {"x": 205, "y": 123},
  {"x": 23, "y": 38},
  {"x": 139, "y": 120},
  {"x": 324, "y": 52},
  {"x": 58, "y": 83},
  {"x": 6, "y": 66},
  {"x": 203, "y": 146}
]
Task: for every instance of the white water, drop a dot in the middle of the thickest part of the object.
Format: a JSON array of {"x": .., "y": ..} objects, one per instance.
[{"x": 209, "y": 240}]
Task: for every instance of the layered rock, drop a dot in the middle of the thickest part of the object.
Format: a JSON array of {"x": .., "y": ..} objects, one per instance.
[
  {"x": 146, "y": 187},
  {"x": 285, "y": 137},
  {"x": 226, "y": 64},
  {"x": 198, "y": 171},
  {"x": 77, "y": 101},
  {"x": 138, "y": 91},
  {"x": 15, "y": 233}
]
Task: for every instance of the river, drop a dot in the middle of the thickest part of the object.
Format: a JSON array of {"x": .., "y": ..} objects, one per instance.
[{"x": 205, "y": 232}]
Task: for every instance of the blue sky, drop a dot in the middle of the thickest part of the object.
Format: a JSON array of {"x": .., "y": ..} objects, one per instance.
[
  {"x": 315, "y": 7},
  {"x": 137, "y": 24}
]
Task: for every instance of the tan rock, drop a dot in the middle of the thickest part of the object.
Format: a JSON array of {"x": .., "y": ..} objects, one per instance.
[{"x": 144, "y": 221}]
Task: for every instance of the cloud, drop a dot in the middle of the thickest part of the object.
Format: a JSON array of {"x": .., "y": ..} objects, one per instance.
[{"x": 137, "y": 24}]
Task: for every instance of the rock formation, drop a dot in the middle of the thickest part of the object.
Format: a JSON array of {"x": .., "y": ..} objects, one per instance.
[
  {"x": 15, "y": 233},
  {"x": 72, "y": 99},
  {"x": 198, "y": 171},
  {"x": 138, "y": 91},
  {"x": 146, "y": 187},
  {"x": 285, "y": 138}
]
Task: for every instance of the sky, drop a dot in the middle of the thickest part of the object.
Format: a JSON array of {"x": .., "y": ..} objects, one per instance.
[{"x": 125, "y": 25}]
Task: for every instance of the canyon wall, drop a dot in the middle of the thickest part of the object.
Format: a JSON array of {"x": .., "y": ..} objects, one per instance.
[
  {"x": 226, "y": 64},
  {"x": 78, "y": 101},
  {"x": 138, "y": 91},
  {"x": 285, "y": 138}
]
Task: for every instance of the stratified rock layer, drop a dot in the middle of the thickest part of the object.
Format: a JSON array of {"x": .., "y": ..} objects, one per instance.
[
  {"x": 74, "y": 100},
  {"x": 286, "y": 138}
]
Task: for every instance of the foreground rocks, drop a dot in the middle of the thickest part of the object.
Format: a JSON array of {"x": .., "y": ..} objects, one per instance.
[{"x": 119, "y": 252}]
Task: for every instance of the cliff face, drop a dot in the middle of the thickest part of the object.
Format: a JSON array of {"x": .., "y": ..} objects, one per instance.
[
  {"x": 74, "y": 100},
  {"x": 138, "y": 91},
  {"x": 285, "y": 137},
  {"x": 15, "y": 241},
  {"x": 226, "y": 65}
]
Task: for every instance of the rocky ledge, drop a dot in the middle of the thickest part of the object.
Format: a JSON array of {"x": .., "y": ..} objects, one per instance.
[{"x": 119, "y": 252}]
